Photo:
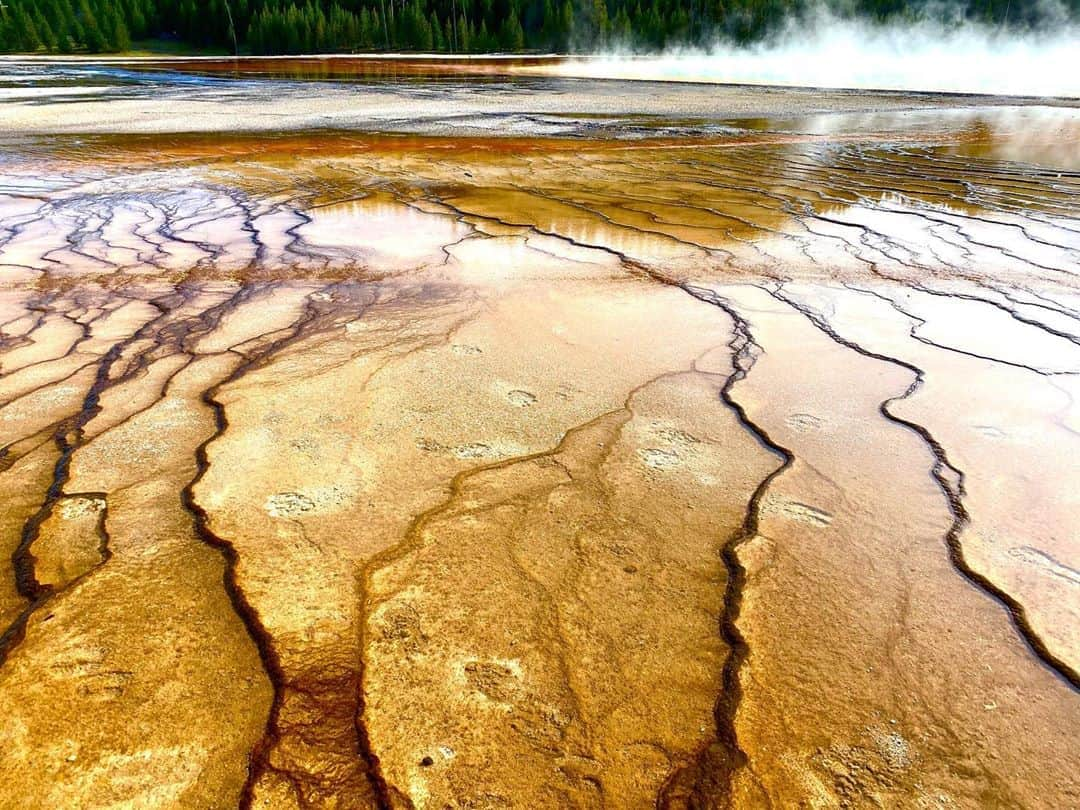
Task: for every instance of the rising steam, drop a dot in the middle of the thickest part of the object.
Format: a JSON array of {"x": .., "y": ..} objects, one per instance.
[{"x": 823, "y": 50}]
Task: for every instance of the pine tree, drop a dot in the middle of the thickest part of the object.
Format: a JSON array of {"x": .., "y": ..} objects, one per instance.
[
  {"x": 512, "y": 35},
  {"x": 565, "y": 27},
  {"x": 463, "y": 34},
  {"x": 116, "y": 32},
  {"x": 255, "y": 34},
  {"x": 5, "y": 28},
  {"x": 449, "y": 34},
  {"x": 25, "y": 36},
  {"x": 438, "y": 41},
  {"x": 367, "y": 36},
  {"x": 601, "y": 25},
  {"x": 45, "y": 32},
  {"x": 426, "y": 37},
  {"x": 549, "y": 26},
  {"x": 136, "y": 20},
  {"x": 621, "y": 32}
]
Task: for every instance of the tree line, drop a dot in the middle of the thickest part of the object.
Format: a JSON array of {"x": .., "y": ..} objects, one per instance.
[{"x": 450, "y": 26}]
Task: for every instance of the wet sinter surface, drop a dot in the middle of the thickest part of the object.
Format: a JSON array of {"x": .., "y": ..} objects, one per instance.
[{"x": 629, "y": 460}]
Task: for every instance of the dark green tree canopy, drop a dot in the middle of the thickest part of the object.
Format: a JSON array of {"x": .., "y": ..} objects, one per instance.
[{"x": 326, "y": 26}]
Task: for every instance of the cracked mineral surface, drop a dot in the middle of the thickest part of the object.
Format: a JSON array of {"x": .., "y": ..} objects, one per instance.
[{"x": 390, "y": 434}]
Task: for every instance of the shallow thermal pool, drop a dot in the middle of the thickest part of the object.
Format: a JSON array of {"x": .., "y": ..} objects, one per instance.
[{"x": 428, "y": 434}]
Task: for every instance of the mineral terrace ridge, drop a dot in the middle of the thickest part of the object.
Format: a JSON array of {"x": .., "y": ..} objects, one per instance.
[{"x": 404, "y": 434}]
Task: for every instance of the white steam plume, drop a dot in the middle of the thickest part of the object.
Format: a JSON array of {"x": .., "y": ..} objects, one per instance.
[{"x": 823, "y": 50}]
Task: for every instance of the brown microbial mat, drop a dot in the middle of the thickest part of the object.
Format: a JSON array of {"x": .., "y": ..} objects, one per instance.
[{"x": 546, "y": 445}]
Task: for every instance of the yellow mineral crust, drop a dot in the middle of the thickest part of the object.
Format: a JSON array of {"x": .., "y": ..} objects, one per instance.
[{"x": 719, "y": 466}]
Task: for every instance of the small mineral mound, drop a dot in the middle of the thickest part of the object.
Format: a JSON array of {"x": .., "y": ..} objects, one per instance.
[
  {"x": 795, "y": 510},
  {"x": 521, "y": 399},
  {"x": 288, "y": 504},
  {"x": 659, "y": 459},
  {"x": 69, "y": 543}
]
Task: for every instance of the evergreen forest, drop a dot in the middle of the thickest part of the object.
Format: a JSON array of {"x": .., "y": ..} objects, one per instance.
[{"x": 449, "y": 26}]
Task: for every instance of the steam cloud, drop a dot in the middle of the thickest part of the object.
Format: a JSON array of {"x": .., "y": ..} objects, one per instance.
[{"x": 827, "y": 51}]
